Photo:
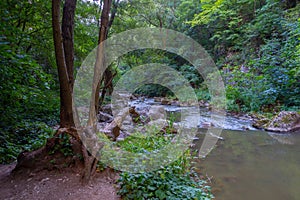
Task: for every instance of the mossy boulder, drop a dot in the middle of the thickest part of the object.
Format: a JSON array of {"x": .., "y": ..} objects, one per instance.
[
  {"x": 261, "y": 123},
  {"x": 285, "y": 121}
]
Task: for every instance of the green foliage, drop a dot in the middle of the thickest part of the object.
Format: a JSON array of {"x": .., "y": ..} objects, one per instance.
[
  {"x": 141, "y": 144},
  {"x": 28, "y": 98},
  {"x": 24, "y": 136},
  {"x": 202, "y": 93},
  {"x": 27, "y": 102},
  {"x": 164, "y": 183},
  {"x": 86, "y": 29},
  {"x": 269, "y": 80},
  {"x": 261, "y": 37},
  {"x": 153, "y": 90},
  {"x": 190, "y": 73},
  {"x": 247, "y": 91},
  {"x": 26, "y": 87},
  {"x": 25, "y": 27},
  {"x": 25, "y": 90},
  {"x": 64, "y": 146},
  {"x": 256, "y": 45},
  {"x": 268, "y": 21},
  {"x": 169, "y": 182}
]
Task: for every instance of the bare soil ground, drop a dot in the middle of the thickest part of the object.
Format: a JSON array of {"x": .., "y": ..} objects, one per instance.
[{"x": 56, "y": 185}]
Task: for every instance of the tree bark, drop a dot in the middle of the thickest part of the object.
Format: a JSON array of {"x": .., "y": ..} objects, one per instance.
[
  {"x": 108, "y": 74},
  {"x": 107, "y": 84},
  {"x": 90, "y": 161},
  {"x": 66, "y": 112},
  {"x": 68, "y": 35},
  {"x": 106, "y": 23},
  {"x": 40, "y": 159},
  {"x": 64, "y": 52},
  {"x": 103, "y": 32},
  {"x": 63, "y": 34}
]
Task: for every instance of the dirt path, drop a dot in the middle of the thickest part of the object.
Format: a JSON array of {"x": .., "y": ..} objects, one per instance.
[{"x": 55, "y": 185}]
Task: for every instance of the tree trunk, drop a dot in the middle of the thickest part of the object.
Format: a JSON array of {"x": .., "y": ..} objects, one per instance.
[
  {"x": 68, "y": 35},
  {"x": 106, "y": 23},
  {"x": 63, "y": 35},
  {"x": 107, "y": 84},
  {"x": 103, "y": 32},
  {"x": 89, "y": 160},
  {"x": 66, "y": 112},
  {"x": 108, "y": 74},
  {"x": 64, "y": 52}
]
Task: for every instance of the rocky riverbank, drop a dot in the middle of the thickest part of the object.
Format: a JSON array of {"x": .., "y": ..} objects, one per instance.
[{"x": 284, "y": 121}]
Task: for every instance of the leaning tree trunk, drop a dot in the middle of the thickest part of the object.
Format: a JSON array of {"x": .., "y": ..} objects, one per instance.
[
  {"x": 108, "y": 74},
  {"x": 90, "y": 161},
  {"x": 107, "y": 19}
]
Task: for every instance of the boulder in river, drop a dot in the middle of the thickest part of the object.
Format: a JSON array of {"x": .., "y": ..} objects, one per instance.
[
  {"x": 285, "y": 121},
  {"x": 157, "y": 99},
  {"x": 260, "y": 122},
  {"x": 166, "y": 102},
  {"x": 105, "y": 117},
  {"x": 106, "y": 109},
  {"x": 157, "y": 112}
]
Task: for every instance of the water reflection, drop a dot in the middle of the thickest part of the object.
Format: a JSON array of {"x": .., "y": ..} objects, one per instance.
[{"x": 251, "y": 165}]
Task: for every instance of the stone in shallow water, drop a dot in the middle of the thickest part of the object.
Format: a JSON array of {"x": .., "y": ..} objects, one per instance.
[
  {"x": 104, "y": 117},
  {"x": 285, "y": 121}
]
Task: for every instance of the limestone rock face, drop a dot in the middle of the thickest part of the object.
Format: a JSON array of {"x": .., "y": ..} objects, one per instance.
[{"x": 285, "y": 121}]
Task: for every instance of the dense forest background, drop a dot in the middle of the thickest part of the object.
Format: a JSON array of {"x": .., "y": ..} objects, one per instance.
[{"x": 255, "y": 44}]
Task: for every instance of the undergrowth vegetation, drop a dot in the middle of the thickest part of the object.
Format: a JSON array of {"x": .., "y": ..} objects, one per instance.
[
  {"x": 174, "y": 181},
  {"x": 28, "y": 105},
  {"x": 23, "y": 136},
  {"x": 166, "y": 183}
]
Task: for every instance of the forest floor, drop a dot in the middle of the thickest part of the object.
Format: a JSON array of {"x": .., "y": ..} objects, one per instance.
[{"x": 56, "y": 185}]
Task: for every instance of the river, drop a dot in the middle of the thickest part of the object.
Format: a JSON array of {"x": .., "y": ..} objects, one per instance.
[{"x": 248, "y": 164}]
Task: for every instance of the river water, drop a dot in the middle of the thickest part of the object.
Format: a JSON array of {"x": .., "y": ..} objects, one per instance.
[
  {"x": 248, "y": 164},
  {"x": 253, "y": 165}
]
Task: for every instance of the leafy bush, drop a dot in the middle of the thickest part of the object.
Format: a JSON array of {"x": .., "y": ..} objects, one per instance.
[
  {"x": 257, "y": 47},
  {"x": 26, "y": 90},
  {"x": 25, "y": 136},
  {"x": 246, "y": 91},
  {"x": 28, "y": 102},
  {"x": 169, "y": 182},
  {"x": 153, "y": 90},
  {"x": 164, "y": 183},
  {"x": 202, "y": 93}
]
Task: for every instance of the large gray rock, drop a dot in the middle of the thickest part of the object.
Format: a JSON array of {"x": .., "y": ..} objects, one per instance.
[
  {"x": 285, "y": 121},
  {"x": 106, "y": 109},
  {"x": 105, "y": 117},
  {"x": 157, "y": 112},
  {"x": 111, "y": 130}
]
